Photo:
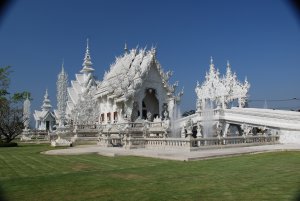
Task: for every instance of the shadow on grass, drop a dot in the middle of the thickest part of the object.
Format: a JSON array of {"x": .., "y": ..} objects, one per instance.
[
  {"x": 297, "y": 197},
  {"x": 2, "y": 195}
]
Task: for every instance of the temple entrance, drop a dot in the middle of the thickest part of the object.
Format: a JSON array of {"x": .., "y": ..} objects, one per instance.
[
  {"x": 150, "y": 104},
  {"x": 47, "y": 125}
]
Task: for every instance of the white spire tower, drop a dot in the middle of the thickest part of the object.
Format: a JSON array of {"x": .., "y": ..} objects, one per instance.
[
  {"x": 212, "y": 66},
  {"x": 87, "y": 62},
  {"x": 228, "y": 69},
  {"x": 87, "y": 70},
  {"x": 83, "y": 84},
  {"x": 62, "y": 95}
]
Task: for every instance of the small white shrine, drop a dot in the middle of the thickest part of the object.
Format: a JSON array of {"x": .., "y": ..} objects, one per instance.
[{"x": 45, "y": 119}]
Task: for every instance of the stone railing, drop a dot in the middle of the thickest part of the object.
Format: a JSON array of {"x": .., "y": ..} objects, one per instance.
[
  {"x": 129, "y": 142},
  {"x": 161, "y": 143},
  {"x": 121, "y": 125},
  {"x": 194, "y": 143},
  {"x": 213, "y": 112},
  {"x": 35, "y": 136},
  {"x": 86, "y": 127},
  {"x": 237, "y": 140},
  {"x": 156, "y": 124}
]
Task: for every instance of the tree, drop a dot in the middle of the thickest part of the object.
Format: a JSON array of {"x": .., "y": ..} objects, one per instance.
[
  {"x": 4, "y": 81},
  {"x": 11, "y": 112},
  {"x": 11, "y": 122}
]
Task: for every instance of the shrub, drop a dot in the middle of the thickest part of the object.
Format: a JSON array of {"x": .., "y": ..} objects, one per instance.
[{"x": 10, "y": 144}]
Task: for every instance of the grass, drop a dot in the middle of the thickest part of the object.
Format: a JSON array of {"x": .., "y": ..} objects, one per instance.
[{"x": 25, "y": 174}]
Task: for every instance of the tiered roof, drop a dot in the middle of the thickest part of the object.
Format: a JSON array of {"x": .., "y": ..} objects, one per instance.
[
  {"x": 127, "y": 72},
  {"x": 42, "y": 115},
  {"x": 83, "y": 82}
]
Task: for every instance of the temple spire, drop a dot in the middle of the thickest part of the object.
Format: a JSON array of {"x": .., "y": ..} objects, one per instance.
[
  {"x": 228, "y": 69},
  {"x": 212, "y": 66},
  {"x": 62, "y": 66},
  {"x": 46, "y": 96},
  {"x": 228, "y": 64},
  {"x": 125, "y": 48},
  {"x": 46, "y": 103},
  {"x": 87, "y": 44},
  {"x": 87, "y": 62},
  {"x": 62, "y": 95}
]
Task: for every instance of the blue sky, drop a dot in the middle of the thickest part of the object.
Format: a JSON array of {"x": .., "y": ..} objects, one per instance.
[{"x": 260, "y": 38}]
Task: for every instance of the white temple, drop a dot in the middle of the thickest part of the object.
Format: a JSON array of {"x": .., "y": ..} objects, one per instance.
[
  {"x": 135, "y": 106},
  {"x": 136, "y": 87},
  {"x": 45, "y": 119}
]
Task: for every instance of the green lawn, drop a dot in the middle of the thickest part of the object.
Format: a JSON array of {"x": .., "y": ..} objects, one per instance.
[{"x": 25, "y": 174}]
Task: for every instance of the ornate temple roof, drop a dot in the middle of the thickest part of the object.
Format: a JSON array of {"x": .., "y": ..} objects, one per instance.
[
  {"x": 227, "y": 87},
  {"x": 46, "y": 103},
  {"x": 124, "y": 78},
  {"x": 128, "y": 71}
]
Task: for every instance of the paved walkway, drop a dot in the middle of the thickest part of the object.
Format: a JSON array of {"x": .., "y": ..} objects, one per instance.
[{"x": 181, "y": 155}]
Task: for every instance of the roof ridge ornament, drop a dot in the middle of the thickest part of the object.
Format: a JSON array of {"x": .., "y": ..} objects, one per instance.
[
  {"x": 212, "y": 66},
  {"x": 125, "y": 48},
  {"x": 46, "y": 94},
  {"x": 228, "y": 69},
  {"x": 87, "y": 44},
  {"x": 228, "y": 64},
  {"x": 62, "y": 66}
]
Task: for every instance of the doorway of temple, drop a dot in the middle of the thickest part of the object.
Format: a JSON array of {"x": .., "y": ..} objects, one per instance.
[
  {"x": 150, "y": 104},
  {"x": 47, "y": 125}
]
